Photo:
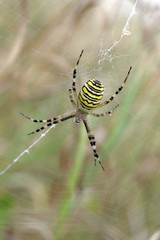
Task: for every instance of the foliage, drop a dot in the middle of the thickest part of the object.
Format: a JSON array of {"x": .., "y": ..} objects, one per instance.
[{"x": 55, "y": 191}]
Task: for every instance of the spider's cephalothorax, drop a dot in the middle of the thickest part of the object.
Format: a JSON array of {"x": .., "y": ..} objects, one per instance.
[{"x": 87, "y": 100}]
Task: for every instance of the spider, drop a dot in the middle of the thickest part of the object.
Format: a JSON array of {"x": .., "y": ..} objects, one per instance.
[{"x": 84, "y": 103}]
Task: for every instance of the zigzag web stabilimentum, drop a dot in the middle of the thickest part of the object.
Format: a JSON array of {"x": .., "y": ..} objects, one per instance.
[
  {"x": 102, "y": 56},
  {"x": 26, "y": 150},
  {"x": 125, "y": 32}
]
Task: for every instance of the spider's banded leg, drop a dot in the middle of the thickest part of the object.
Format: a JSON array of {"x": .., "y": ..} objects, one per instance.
[
  {"x": 92, "y": 142},
  {"x": 105, "y": 113},
  {"x": 117, "y": 92},
  {"x": 53, "y": 121},
  {"x": 71, "y": 98},
  {"x": 74, "y": 76},
  {"x": 36, "y": 120}
]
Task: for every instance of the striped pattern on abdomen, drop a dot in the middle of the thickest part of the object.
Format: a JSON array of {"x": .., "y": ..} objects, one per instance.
[{"x": 90, "y": 95}]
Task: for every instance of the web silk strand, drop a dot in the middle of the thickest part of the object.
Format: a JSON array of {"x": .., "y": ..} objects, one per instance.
[
  {"x": 125, "y": 32},
  {"x": 103, "y": 54},
  {"x": 26, "y": 151}
]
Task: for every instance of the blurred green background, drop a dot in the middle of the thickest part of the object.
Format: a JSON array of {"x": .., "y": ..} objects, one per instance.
[{"x": 55, "y": 191}]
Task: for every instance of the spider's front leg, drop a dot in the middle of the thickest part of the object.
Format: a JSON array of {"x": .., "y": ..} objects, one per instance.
[
  {"x": 51, "y": 121},
  {"x": 92, "y": 142}
]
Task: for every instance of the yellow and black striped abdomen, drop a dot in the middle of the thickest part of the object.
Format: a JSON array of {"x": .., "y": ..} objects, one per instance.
[{"x": 90, "y": 95}]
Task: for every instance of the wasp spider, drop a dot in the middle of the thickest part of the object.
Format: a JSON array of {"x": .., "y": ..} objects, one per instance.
[{"x": 87, "y": 100}]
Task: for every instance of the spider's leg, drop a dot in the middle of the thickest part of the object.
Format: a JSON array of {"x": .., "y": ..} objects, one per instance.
[
  {"x": 36, "y": 120},
  {"x": 71, "y": 98},
  {"x": 116, "y": 93},
  {"x": 52, "y": 121},
  {"x": 105, "y": 113},
  {"x": 92, "y": 142},
  {"x": 74, "y": 76}
]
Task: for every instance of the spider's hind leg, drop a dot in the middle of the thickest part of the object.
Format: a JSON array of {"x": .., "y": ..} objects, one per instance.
[
  {"x": 105, "y": 113},
  {"x": 75, "y": 75},
  {"x": 71, "y": 98},
  {"x": 117, "y": 92}
]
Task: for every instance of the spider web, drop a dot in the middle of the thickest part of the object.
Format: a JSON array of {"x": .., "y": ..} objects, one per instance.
[
  {"x": 102, "y": 55},
  {"x": 120, "y": 204}
]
